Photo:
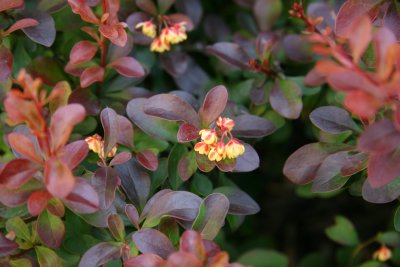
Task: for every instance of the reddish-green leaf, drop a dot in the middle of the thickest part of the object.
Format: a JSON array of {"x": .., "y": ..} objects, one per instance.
[
  {"x": 116, "y": 227},
  {"x": 187, "y": 165},
  {"x": 50, "y": 229},
  {"x": 252, "y": 126},
  {"x": 91, "y": 75},
  {"x": 6, "y": 61},
  {"x": 148, "y": 159},
  {"x": 149, "y": 240},
  {"x": 171, "y": 107},
  {"x": 37, "y": 202},
  {"x": 22, "y": 23},
  {"x": 144, "y": 260},
  {"x": 226, "y": 165},
  {"x": 83, "y": 198},
  {"x": 17, "y": 172},
  {"x": 187, "y": 133},
  {"x": 109, "y": 121},
  {"x": 74, "y": 153},
  {"x": 132, "y": 214},
  {"x": 240, "y": 202},
  {"x": 192, "y": 243},
  {"x": 63, "y": 122},
  {"x": 58, "y": 178},
  {"x": 178, "y": 204},
  {"x": 82, "y": 9},
  {"x": 216, "y": 208},
  {"x": 231, "y": 53},
  {"x": 176, "y": 154},
  {"x": 204, "y": 164},
  {"x": 121, "y": 158},
  {"x": 56, "y": 207},
  {"x": 164, "y": 5},
  {"x": 267, "y": 12},
  {"x": 99, "y": 254},
  {"x": 213, "y": 105},
  {"x": 47, "y": 257},
  {"x": 285, "y": 99},
  {"x": 45, "y": 32},
  {"x": 128, "y": 66},
  {"x": 354, "y": 164},
  {"x": 82, "y": 51}
]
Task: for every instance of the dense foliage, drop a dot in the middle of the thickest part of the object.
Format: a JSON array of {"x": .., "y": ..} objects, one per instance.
[{"x": 130, "y": 126}]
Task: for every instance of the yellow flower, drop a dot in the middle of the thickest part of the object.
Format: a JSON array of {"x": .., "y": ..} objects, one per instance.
[
  {"x": 234, "y": 149},
  {"x": 148, "y": 28},
  {"x": 208, "y": 136},
  {"x": 97, "y": 146},
  {"x": 202, "y": 148},
  {"x": 382, "y": 254},
  {"x": 173, "y": 35},
  {"x": 226, "y": 124},
  {"x": 214, "y": 155},
  {"x": 159, "y": 45}
]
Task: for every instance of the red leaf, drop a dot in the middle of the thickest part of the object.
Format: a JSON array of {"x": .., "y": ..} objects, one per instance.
[
  {"x": 24, "y": 146},
  {"x": 15, "y": 198},
  {"x": 121, "y": 158},
  {"x": 74, "y": 153},
  {"x": 183, "y": 259},
  {"x": 20, "y": 24},
  {"x": 10, "y": 4},
  {"x": 17, "y": 172},
  {"x": 109, "y": 121},
  {"x": 360, "y": 37},
  {"x": 7, "y": 246},
  {"x": 58, "y": 178},
  {"x": 128, "y": 66},
  {"x": 191, "y": 242},
  {"x": 37, "y": 202},
  {"x": 144, "y": 260},
  {"x": 82, "y": 9},
  {"x": 83, "y": 198},
  {"x": 187, "y": 133},
  {"x": 99, "y": 255},
  {"x": 115, "y": 33},
  {"x": 6, "y": 61},
  {"x": 63, "y": 122},
  {"x": 91, "y": 75},
  {"x": 148, "y": 159},
  {"x": 384, "y": 39},
  {"x": 82, "y": 51},
  {"x": 231, "y": 53},
  {"x": 380, "y": 137},
  {"x": 362, "y": 104},
  {"x": 213, "y": 105},
  {"x": 149, "y": 240}
]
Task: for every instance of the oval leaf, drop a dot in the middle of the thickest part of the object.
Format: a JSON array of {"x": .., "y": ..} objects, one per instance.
[
  {"x": 128, "y": 66},
  {"x": 149, "y": 240}
]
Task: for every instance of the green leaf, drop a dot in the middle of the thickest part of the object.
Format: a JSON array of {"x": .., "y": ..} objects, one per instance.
[
  {"x": 47, "y": 257},
  {"x": 397, "y": 219},
  {"x": 264, "y": 258},
  {"x": 371, "y": 264},
  {"x": 20, "y": 228},
  {"x": 175, "y": 156},
  {"x": 50, "y": 229},
  {"x": 201, "y": 184},
  {"x": 20, "y": 263},
  {"x": 343, "y": 232}
]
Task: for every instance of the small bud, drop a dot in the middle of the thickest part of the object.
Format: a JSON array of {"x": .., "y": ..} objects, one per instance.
[
  {"x": 94, "y": 142},
  {"x": 208, "y": 136},
  {"x": 382, "y": 254},
  {"x": 225, "y": 124}
]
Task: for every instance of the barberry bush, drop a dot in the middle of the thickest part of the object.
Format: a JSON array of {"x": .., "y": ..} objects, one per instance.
[{"x": 144, "y": 133}]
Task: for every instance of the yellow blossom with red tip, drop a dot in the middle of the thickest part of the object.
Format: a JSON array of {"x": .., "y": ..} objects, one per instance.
[
  {"x": 159, "y": 45},
  {"x": 148, "y": 28},
  {"x": 213, "y": 142},
  {"x": 383, "y": 253},
  {"x": 97, "y": 146}
]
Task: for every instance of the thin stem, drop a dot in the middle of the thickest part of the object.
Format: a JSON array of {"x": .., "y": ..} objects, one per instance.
[{"x": 359, "y": 248}]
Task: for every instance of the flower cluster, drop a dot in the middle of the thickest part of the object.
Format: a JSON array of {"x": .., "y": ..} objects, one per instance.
[
  {"x": 97, "y": 146},
  {"x": 172, "y": 34},
  {"x": 218, "y": 144}
]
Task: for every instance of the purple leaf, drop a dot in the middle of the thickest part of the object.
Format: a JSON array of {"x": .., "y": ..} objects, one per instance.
[
  {"x": 148, "y": 159},
  {"x": 252, "y": 126},
  {"x": 240, "y": 202},
  {"x": 153, "y": 241},
  {"x": 105, "y": 182},
  {"x": 132, "y": 214},
  {"x": 120, "y": 158},
  {"x": 147, "y": 6},
  {"x": 144, "y": 260},
  {"x": 175, "y": 62},
  {"x": 332, "y": 119},
  {"x": 231, "y": 53},
  {"x": 216, "y": 208},
  {"x": 135, "y": 180},
  {"x": 302, "y": 165},
  {"x": 154, "y": 199},
  {"x": 383, "y": 168},
  {"x": 213, "y": 105},
  {"x": 381, "y": 195},
  {"x": 125, "y": 131},
  {"x": 83, "y": 199},
  {"x": 177, "y": 204},
  {"x": 128, "y": 67},
  {"x": 74, "y": 153},
  {"x": 380, "y": 137},
  {"x": 6, "y": 246},
  {"x": 266, "y": 13},
  {"x": 99, "y": 254},
  {"x": 171, "y": 107},
  {"x": 249, "y": 161},
  {"x": 354, "y": 164},
  {"x": 297, "y": 48},
  {"x": 192, "y": 8},
  {"x": 45, "y": 32},
  {"x": 285, "y": 98},
  {"x": 109, "y": 120}
]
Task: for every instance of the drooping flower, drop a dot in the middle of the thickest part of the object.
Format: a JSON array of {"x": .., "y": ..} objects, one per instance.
[
  {"x": 159, "y": 45},
  {"x": 148, "y": 28},
  {"x": 226, "y": 124},
  {"x": 234, "y": 149},
  {"x": 202, "y": 148},
  {"x": 382, "y": 254},
  {"x": 96, "y": 144},
  {"x": 208, "y": 136}
]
